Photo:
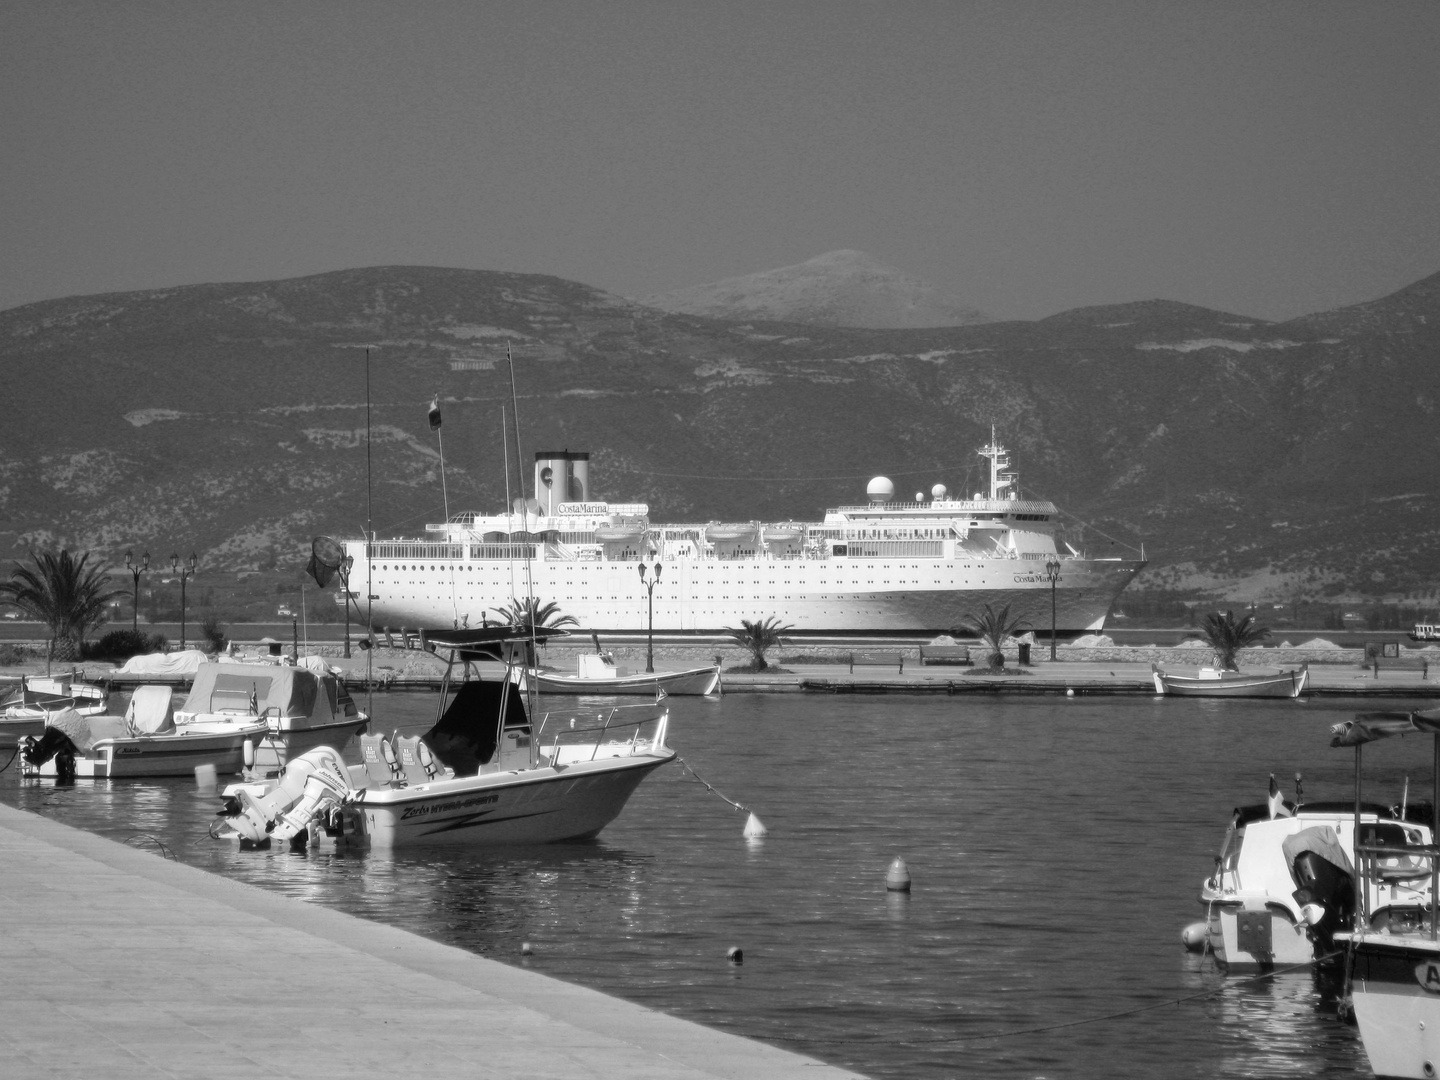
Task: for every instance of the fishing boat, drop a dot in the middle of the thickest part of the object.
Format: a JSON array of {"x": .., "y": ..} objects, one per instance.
[
  {"x": 1393, "y": 983},
  {"x": 303, "y": 706},
  {"x": 25, "y": 709},
  {"x": 879, "y": 567},
  {"x": 1212, "y": 682},
  {"x": 491, "y": 771},
  {"x": 1278, "y": 856},
  {"x": 146, "y": 742},
  {"x": 599, "y": 674}
]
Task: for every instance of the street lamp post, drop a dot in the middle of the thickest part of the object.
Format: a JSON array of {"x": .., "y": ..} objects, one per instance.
[
  {"x": 1052, "y": 571},
  {"x": 650, "y": 635},
  {"x": 136, "y": 569},
  {"x": 185, "y": 570}
]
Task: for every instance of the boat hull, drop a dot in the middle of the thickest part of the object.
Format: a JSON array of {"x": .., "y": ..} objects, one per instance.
[
  {"x": 156, "y": 756},
  {"x": 1288, "y": 684},
  {"x": 691, "y": 682},
  {"x": 1396, "y": 995},
  {"x": 283, "y": 744},
  {"x": 532, "y": 806}
]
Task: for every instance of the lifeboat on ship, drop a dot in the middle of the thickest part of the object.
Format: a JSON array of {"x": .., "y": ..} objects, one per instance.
[
  {"x": 620, "y": 534},
  {"x": 731, "y": 534},
  {"x": 784, "y": 534}
]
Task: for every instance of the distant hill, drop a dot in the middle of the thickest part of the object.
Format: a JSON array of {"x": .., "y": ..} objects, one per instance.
[
  {"x": 1264, "y": 459},
  {"x": 839, "y": 288}
]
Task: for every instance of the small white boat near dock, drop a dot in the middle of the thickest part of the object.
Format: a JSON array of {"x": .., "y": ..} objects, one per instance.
[
  {"x": 598, "y": 674},
  {"x": 29, "y": 703},
  {"x": 1212, "y": 682}
]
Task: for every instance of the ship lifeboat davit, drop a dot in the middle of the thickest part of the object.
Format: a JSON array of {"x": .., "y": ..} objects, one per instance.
[
  {"x": 784, "y": 534},
  {"x": 619, "y": 534}
]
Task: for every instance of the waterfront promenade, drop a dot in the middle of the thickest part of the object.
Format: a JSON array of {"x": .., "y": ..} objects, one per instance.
[{"x": 121, "y": 964}]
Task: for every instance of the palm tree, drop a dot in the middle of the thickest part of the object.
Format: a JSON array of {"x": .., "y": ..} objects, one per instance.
[
  {"x": 64, "y": 594},
  {"x": 529, "y": 612},
  {"x": 993, "y": 628},
  {"x": 757, "y": 637},
  {"x": 1227, "y": 637}
]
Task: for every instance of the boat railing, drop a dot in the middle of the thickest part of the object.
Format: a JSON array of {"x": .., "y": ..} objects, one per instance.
[
  {"x": 1390, "y": 866},
  {"x": 576, "y": 731}
]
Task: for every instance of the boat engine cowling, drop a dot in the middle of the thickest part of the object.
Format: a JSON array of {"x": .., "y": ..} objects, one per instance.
[
  {"x": 312, "y": 785},
  {"x": 1326, "y": 893}
]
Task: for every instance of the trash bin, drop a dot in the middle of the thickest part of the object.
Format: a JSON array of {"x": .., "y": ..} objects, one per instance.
[{"x": 1024, "y": 652}]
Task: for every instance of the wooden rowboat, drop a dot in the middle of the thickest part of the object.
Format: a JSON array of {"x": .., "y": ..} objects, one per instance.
[{"x": 1209, "y": 682}]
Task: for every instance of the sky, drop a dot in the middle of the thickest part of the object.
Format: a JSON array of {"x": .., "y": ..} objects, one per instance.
[{"x": 1268, "y": 159}]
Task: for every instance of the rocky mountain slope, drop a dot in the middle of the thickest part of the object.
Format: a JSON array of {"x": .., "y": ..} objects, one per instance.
[
  {"x": 1257, "y": 459},
  {"x": 839, "y": 288}
]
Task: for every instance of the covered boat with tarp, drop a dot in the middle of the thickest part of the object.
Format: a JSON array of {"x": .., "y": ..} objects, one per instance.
[
  {"x": 492, "y": 770},
  {"x": 302, "y": 708}
]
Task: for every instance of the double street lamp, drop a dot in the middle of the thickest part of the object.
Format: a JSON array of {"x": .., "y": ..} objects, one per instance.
[
  {"x": 136, "y": 569},
  {"x": 1052, "y": 571},
  {"x": 650, "y": 584},
  {"x": 185, "y": 570}
]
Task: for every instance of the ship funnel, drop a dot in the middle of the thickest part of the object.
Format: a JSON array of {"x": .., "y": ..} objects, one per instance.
[{"x": 561, "y": 476}]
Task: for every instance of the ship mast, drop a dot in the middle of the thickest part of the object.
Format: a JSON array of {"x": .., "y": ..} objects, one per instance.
[{"x": 1001, "y": 475}]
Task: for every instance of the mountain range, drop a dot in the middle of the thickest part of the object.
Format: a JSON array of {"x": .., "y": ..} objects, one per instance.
[{"x": 1250, "y": 459}]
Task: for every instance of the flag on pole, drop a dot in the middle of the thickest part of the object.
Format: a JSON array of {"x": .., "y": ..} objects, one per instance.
[{"x": 435, "y": 414}]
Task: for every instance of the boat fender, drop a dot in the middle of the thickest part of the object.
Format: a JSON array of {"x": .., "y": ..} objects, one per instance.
[
  {"x": 1194, "y": 936},
  {"x": 897, "y": 878},
  {"x": 525, "y": 949},
  {"x": 247, "y": 754}
]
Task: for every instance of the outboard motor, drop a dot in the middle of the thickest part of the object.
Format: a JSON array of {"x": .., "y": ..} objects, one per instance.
[
  {"x": 54, "y": 743},
  {"x": 310, "y": 787},
  {"x": 1320, "y": 866}
]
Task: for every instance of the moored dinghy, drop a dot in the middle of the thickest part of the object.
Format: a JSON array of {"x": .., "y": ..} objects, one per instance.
[
  {"x": 1212, "y": 682},
  {"x": 485, "y": 774},
  {"x": 598, "y": 674}
]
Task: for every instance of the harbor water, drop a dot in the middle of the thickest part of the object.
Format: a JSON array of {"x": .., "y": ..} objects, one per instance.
[{"x": 1056, "y": 848}]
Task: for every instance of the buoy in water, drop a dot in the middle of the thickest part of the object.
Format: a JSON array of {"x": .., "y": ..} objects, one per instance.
[
  {"x": 1070, "y": 692},
  {"x": 897, "y": 878},
  {"x": 754, "y": 829},
  {"x": 735, "y": 955},
  {"x": 205, "y": 777},
  {"x": 1194, "y": 936},
  {"x": 525, "y": 949}
]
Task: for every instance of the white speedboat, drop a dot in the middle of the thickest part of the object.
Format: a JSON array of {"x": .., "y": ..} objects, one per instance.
[
  {"x": 302, "y": 707},
  {"x": 1212, "y": 682},
  {"x": 599, "y": 674},
  {"x": 26, "y": 707},
  {"x": 145, "y": 742},
  {"x": 485, "y": 774},
  {"x": 1394, "y": 971},
  {"x": 1278, "y": 856}
]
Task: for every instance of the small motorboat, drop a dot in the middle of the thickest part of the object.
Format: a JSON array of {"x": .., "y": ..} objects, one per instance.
[
  {"x": 1393, "y": 970},
  {"x": 1212, "y": 682},
  {"x": 599, "y": 674},
  {"x": 1279, "y": 858},
  {"x": 25, "y": 709},
  {"x": 303, "y": 705},
  {"x": 145, "y": 742},
  {"x": 485, "y": 774}
]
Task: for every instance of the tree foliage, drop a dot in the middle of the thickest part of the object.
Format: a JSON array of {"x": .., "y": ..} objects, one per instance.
[
  {"x": 529, "y": 612},
  {"x": 1227, "y": 637},
  {"x": 759, "y": 637},
  {"x": 993, "y": 628},
  {"x": 67, "y": 594}
]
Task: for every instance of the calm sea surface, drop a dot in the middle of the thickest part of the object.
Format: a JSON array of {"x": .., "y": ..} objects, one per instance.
[{"x": 1057, "y": 848}]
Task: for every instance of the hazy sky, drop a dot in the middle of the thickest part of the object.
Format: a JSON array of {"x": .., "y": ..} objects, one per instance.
[{"x": 1264, "y": 158}]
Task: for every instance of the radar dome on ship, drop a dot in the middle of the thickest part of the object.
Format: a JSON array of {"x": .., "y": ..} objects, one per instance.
[
  {"x": 880, "y": 489},
  {"x": 938, "y": 491}
]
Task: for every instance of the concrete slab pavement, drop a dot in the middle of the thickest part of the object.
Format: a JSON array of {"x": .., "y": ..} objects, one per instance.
[{"x": 118, "y": 963}]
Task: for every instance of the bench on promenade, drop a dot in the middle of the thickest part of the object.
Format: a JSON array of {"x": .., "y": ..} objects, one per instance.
[
  {"x": 887, "y": 660},
  {"x": 945, "y": 654},
  {"x": 1399, "y": 663}
]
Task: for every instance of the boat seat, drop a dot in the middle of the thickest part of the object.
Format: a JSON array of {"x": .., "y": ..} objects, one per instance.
[
  {"x": 151, "y": 710},
  {"x": 417, "y": 762},
  {"x": 381, "y": 765}
]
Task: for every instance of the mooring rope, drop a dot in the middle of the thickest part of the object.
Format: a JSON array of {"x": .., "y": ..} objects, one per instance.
[
  {"x": 13, "y": 755},
  {"x": 164, "y": 850},
  {"x": 685, "y": 767}
]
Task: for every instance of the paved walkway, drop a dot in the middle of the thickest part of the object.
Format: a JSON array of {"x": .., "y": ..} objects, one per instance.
[{"x": 117, "y": 963}]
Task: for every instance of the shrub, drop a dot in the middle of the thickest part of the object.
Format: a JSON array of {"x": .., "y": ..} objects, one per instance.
[
  {"x": 119, "y": 645},
  {"x": 213, "y": 633},
  {"x": 10, "y": 655}
]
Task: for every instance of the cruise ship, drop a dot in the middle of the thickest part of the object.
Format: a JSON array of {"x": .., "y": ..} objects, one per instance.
[{"x": 881, "y": 568}]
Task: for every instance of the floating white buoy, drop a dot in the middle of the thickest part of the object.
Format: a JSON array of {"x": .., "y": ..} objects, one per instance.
[
  {"x": 1070, "y": 692},
  {"x": 525, "y": 949},
  {"x": 1194, "y": 935},
  {"x": 897, "y": 878},
  {"x": 205, "y": 777},
  {"x": 735, "y": 955},
  {"x": 754, "y": 828}
]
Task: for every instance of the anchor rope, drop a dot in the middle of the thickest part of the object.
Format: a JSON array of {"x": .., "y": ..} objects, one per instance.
[
  {"x": 13, "y": 755},
  {"x": 685, "y": 767}
]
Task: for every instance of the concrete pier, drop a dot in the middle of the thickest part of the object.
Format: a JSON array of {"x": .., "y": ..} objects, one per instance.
[{"x": 118, "y": 963}]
